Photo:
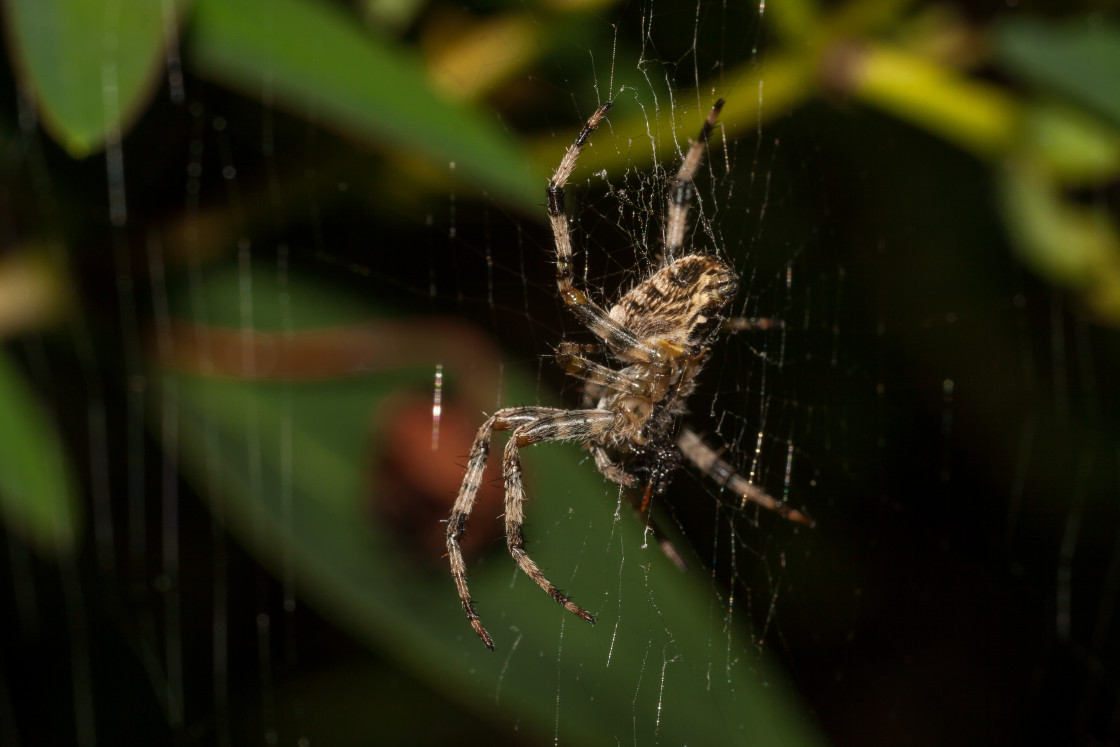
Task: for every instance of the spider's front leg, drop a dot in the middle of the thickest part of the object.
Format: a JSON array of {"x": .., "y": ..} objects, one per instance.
[{"x": 502, "y": 420}]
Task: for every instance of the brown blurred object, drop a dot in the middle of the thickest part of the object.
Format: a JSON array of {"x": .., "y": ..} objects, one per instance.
[
  {"x": 331, "y": 352},
  {"x": 414, "y": 474},
  {"x": 414, "y": 485}
]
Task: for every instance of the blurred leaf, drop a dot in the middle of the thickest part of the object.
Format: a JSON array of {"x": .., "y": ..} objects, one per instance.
[
  {"x": 91, "y": 65},
  {"x": 316, "y": 61},
  {"x": 1073, "y": 146},
  {"x": 289, "y": 466},
  {"x": 469, "y": 62},
  {"x": 1077, "y": 60},
  {"x": 975, "y": 116},
  {"x": 794, "y": 20},
  {"x": 392, "y": 16},
  {"x": 1072, "y": 245},
  {"x": 36, "y": 488},
  {"x": 636, "y": 138}
]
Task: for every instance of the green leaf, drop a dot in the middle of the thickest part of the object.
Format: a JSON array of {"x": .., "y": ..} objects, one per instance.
[
  {"x": 36, "y": 487},
  {"x": 90, "y": 65},
  {"x": 1076, "y": 60},
  {"x": 292, "y": 467},
  {"x": 314, "y": 60}
]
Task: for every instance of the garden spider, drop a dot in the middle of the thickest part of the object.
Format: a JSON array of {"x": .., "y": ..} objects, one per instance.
[{"x": 660, "y": 331}]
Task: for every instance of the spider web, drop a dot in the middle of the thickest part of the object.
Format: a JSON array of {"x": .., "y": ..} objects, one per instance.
[{"x": 943, "y": 416}]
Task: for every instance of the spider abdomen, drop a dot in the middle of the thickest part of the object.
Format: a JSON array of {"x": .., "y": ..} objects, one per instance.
[{"x": 680, "y": 303}]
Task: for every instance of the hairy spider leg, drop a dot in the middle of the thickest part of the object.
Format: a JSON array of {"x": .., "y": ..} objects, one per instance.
[
  {"x": 610, "y": 469},
  {"x": 577, "y": 425},
  {"x": 580, "y": 367},
  {"x": 529, "y": 425},
  {"x": 620, "y": 340},
  {"x": 676, "y": 220},
  {"x": 707, "y": 460},
  {"x": 502, "y": 420}
]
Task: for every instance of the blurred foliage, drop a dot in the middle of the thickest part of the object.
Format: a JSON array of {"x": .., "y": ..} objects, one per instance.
[
  {"x": 439, "y": 99},
  {"x": 37, "y": 499},
  {"x": 91, "y": 67}
]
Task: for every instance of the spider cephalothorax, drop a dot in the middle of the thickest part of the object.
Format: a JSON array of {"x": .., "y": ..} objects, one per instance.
[{"x": 660, "y": 332}]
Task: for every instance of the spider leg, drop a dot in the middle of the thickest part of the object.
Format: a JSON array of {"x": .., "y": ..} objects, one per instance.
[
  {"x": 618, "y": 338},
  {"x": 502, "y": 420},
  {"x": 579, "y": 348},
  {"x": 581, "y": 425},
  {"x": 610, "y": 469},
  {"x": 706, "y": 459},
  {"x": 676, "y": 219},
  {"x": 600, "y": 375}
]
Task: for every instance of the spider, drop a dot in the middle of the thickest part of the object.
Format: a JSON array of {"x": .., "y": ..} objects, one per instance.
[{"x": 660, "y": 332}]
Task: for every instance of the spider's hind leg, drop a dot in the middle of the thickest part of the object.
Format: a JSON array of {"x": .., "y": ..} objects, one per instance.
[{"x": 708, "y": 461}]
